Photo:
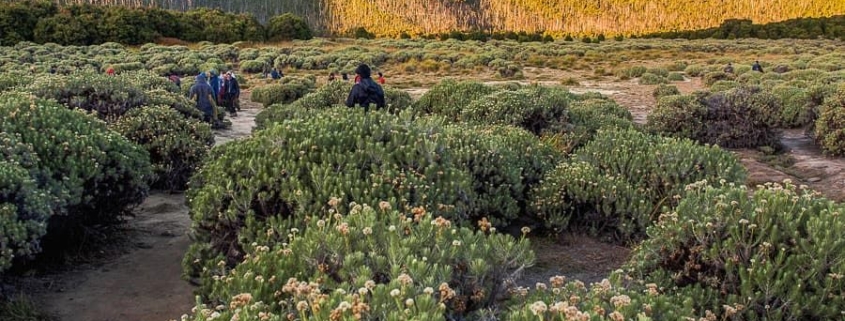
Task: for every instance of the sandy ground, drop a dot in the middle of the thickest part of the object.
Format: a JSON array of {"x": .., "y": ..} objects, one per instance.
[{"x": 144, "y": 283}]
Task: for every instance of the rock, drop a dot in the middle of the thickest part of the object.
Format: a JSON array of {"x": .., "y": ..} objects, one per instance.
[{"x": 814, "y": 179}]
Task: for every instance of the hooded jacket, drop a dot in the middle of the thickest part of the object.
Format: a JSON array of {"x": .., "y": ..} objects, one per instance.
[
  {"x": 365, "y": 93},
  {"x": 202, "y": 91}
]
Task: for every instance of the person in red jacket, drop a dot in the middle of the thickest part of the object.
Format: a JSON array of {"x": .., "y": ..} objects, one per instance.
[
  {"x": 381, "y": 78},
  {"x": 110, "y": 71}
]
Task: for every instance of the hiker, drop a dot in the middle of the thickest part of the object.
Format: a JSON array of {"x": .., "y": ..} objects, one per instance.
[
  {"x": 332, "y": 77},
  {"x": 344, "y": 77},
  {"x": 230, "y": 92},
  {"x": 365, "y": 92},
  {"x": 110, "y": 71},
  {"x": 176, "y": 80},
  {"x": 756, "y": 66},
  {"x": 275, "y": 74},
  {"x": 357, "y": 78},
  {"x": 381, "y": 79},
  {"x": 53, "y": 70},
  {"x": 729, "y": 69},
  {"x": 214, "y": 82},
  {"x": 201, "y": 92}
]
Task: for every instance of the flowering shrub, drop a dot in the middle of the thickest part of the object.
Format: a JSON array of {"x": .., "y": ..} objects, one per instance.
[
  {"x": 621, "y": 180},
  {"x": 777, "y": 255},
  {"x": 372, "y": 263},
  {"x": 830, "y": 126},
  {"x": 94, "y": 173},
  {"x": 738, "y": 118},
  {"x": 294, "y": 167},
  {"x": 608, "y": 300},
  {"x": 176, "y": 144}
]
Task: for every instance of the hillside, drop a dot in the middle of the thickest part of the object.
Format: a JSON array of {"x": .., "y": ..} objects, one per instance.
[{"x": 558, "y": 17}]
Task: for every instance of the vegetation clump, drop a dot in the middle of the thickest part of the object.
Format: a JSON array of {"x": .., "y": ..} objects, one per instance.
[{"x": 829, "y": 129}]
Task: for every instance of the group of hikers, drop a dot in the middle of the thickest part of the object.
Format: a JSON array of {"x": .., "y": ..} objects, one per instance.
[
  {"x": 345, "y": 77},
  {"x": 211, "y": 90},
  {"x": 729, "y": 69}
]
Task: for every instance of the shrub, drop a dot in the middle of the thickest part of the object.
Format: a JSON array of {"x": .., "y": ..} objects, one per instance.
[
  {"x": 652, "y": 79},
  {"x": 723, "y": 85},
  {"x": 176, "y": 145},
  {"x": 285, "y": 92},
  {"x": 368, "y": 264},
  {"x": 796, "y": 106},
  {"x": 397, "y": 100},
  {"x": 618, "y": 183},
  {"x": 665, "y": 90},
  {"x": 675, "y": 76},
  {"x": 721, "y": 249},
  {"x": 296, "y": 166},
  {"x": 694, "y": 70},
  {"x": 254, "y": 66},
  {"x": 536, "y": 109},
  {"x": 590, "y": 115},
  {"x": 449, "y": 97},
  {"x": 739, "y": 118},
  {"x": 631, "y": 72},
  {"x": 24, "y": 210},
  {"x": 712, "y": 77},
  {"x": 830, "y": 125},
  {"x": 287, "y": 27},
  {"x": 92, "y": 173}
]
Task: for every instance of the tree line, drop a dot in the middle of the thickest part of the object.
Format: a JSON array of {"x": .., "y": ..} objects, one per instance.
[
  {"x": 803, "y": 28},
  {"x": 86, "y": 24}
]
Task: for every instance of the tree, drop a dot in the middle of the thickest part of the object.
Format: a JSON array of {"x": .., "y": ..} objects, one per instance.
[{"x": 288, "y": 26}]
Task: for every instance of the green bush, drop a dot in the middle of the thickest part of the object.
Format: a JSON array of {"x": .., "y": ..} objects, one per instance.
[
  {"x": 711, "y": 78},
  {"x": 449, "y": 97},
  {"x": 665, "y": 90},
  {"x": 536, "y": 109},
  {"x": 24, "y": 210},
  {"x": 652, "y": 79},
  {"x": 675, "y": 76},
  {"x": 694, "y": 70},
  {"x": 631, "y": 72},
  {"x": 590, "y": 115},
  {"x": 738, "y": 118},
  {"x": 287, "y": 27},
  {"x": 723, "y": 85},
  {"x": 294, "y": 167},
  {"x": 796, "y": 106},
  {"x": 285, "y": 92},
  {"x": 176, "y": 145},
  {"x": 254, "y": 66},
  {"x": 777, "y": 253},
  {"x": 92, "y": 173},
  {"x": 829, "y": 129},
  {"x": 617, "y": 183},
  {"x": 367, "y": 263}
]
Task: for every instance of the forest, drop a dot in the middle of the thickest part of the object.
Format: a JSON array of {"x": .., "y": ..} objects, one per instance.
[{"x": 392, "y": 18}]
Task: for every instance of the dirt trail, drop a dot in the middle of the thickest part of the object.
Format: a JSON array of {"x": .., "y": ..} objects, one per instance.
[{"x": 144, "y": 283}]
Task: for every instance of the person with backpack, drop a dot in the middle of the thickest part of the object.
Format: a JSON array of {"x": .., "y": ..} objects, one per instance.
[
  {"x": 231, "y": 91},
  {"x": 365, "y": 92},
  {"x": 275, "y": 74},
  {"x": 204, "y": 97},
  {"x": 756, "y": 66},
  {"x": 214, "y": 82},
  {"x": 729, "y": 69}
]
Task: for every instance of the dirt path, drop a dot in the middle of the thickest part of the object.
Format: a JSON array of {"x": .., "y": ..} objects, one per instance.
[{"x": 144, "y": 283}]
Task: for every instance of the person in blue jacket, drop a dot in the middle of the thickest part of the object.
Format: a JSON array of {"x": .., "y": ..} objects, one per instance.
[
  {"x": 366, "y": 91},
  {"x": 203, "y": 95},
  {"x": 214, "y": 82}
]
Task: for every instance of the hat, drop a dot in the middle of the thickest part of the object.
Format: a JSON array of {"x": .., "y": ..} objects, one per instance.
[{"x": 363, "y": 70}]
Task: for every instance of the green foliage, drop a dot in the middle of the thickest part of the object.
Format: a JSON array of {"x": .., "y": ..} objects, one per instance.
[
  {"x": 24, "y": 210},
  {"x": 589, "y": 116},
  {"x": 830, "y": 125},
  {"x": 287, "y": 91},
  {"x": 22, "y": 308},
  {"x": 796, "y": 106},
  {"x": 449, "y": 97},
  {"x": 176, "y": 145},
  {"x": 723, "y": 85},
  {"x": 665, "y": 90},
  {"x": 675, "y": 76},
  {"x": 738, "y": 118},
  {"x": 617, "y": 183},
  {"x": 694, "y": 70},
  {"x": 94, "y": 173},
  {"x": 379, "y": 264},
  {"x": 254, "y": 66},
  {"x": 288, "y": 27},
  {"x": 712, "y": 77},
  {"x": 631, "y": 72},
  {"x": 776, "y": 254},
  {"x": 652, "y": 79},
  {"x": 297, "y": 165},
  {"x": 536, "y": 109}
]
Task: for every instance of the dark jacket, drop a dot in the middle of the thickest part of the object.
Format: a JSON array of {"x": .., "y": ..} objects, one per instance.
[
  {"x": 231, "y": 88},
  {"x": 365, "y": 93},
  {"x": 275, "y": 74},
  {"x": 202, "y": 90},
  {"x": 214, "y": 82}
]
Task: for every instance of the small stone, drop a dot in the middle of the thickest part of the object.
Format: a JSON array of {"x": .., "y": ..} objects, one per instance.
[{"x": 814, "y": 179}]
